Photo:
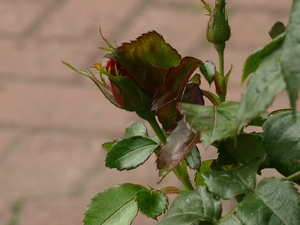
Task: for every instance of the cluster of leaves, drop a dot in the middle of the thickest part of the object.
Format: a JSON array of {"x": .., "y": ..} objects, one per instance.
[{"x": 159, "y": 83}]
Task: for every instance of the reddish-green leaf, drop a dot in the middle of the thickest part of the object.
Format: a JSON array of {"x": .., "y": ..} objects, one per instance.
[
  {"x": 147, "y": 60},
  {"x": 179, "y": 143},
  {"x": 169, "y": 114},
  {"x": 175, "y": 82}
]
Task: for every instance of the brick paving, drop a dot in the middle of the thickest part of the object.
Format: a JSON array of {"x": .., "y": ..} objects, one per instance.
[{"x": 53, "y": 121}]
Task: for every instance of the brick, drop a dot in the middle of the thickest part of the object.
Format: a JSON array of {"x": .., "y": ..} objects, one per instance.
[
  {"x": 16, "y": 17},
  {"x": 63, "y": 211},
  {"x": 247, "y": 34},
  {"x": 39, "y": 60},
  {"x": 54, "y": 211},
  {"x": 49, "y": 165},
  {"x": 7, "y": 139},
  {"x": 83, "y": 18},
  {"x": 5, "y": 211},
  {"x": 51, "y": 106}
]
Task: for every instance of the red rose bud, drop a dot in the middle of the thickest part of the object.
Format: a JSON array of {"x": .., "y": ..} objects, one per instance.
[
  {"x": 124, "y": 91},
  {"x": 111, "y": 67}
]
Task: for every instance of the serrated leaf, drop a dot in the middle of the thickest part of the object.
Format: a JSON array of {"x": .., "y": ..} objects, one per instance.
[
  {"x": 282, "y": 142},
  {"x": 193, "y": 159},
  {"x": 136, "y": 129},
  {"x": 212, "y": 123},
  {"x": 179, "y": 143},
  {"x": 227, "y": 184},
  {"x": 175, "y": 82},
  {"x": 152, "y": 203},
  {"x": 275, "y": 201},
  {"x": 130, "y": 152},
  {"x": 192, "y": 207},
  {"x": 256, "y": 58},
  {"x": 290, "y": 55},
  {"x": 147, "y": 60},
  {"x": 114, "y": 206},
  {"x": 208, "y": 69},
  {"x": 245, "y": 147},
  {"x": 262, "y": 88},
  {"x": 229, "y": 220},
  {"x": 205, "y": 167}
]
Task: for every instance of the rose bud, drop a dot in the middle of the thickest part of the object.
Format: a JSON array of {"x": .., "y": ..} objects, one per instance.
[
  {"x": 111, "y": 67},
  {"x": 218, "y": 29},
  {"x": 122, "y": 90}
]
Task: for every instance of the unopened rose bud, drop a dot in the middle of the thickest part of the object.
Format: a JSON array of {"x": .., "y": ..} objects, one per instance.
[
  {"x": 112, "y": 66},
  {"x": 218, "y": 29}
]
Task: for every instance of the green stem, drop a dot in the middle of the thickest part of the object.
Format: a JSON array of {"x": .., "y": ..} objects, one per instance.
[
  {"x": 183, "y": 177},
  {"x": 220, "y": 49},
  {"x": 294, "y": 176},
  {"x": 150, "y": 118}
]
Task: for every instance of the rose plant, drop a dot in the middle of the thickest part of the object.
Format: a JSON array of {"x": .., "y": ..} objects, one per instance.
[{"x": 149, "y": 77}]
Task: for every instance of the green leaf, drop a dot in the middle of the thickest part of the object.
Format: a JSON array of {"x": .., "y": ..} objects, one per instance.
[
  {"x": 229, "y": 220},
  {"x": 179, "y": 143},
  {"x": 245, "y": 147},
  {"x": 147, "y": 60},
  {"x": 107, "y": 145},
  {"x": 212, "y": 123},
  {"x": 290, "y": 55},
  {"x": 193, "y": 206},
  {"x": 277, "y": 29},
  {"x": 114, "y": 206},
  {"x": 175, "y": 82},
  {"x": 136, "y": 129},
  {"x": 256, "y": 58},
  {"x": 227, "y": 184},
  {"x": 205, "y": 167},
  {"x": 208, "y": 69},
  {"x": 224, "y": 158},
  {"x": 282, "y": 142},
  {"x": 152, "y": 203},
  {"x": 129, "y": 153},
  {"x": 193, "y": 159},
  {"x": 262, "y": 88},
  {"x": 275, "y": 201}
]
